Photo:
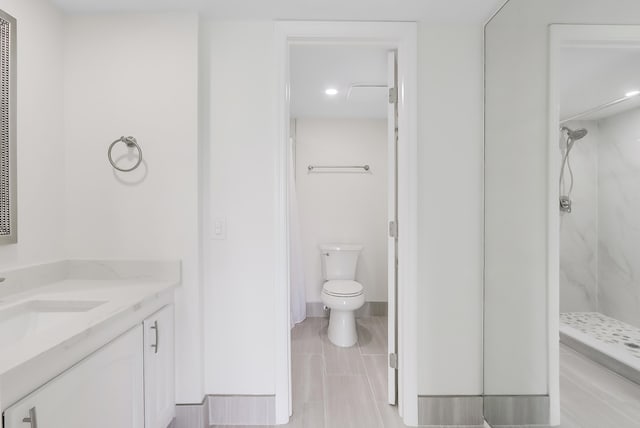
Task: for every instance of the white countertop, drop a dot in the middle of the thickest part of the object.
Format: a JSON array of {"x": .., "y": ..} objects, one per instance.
[
  {"x": 56, "y": 314},
  {"x": 113, "y": 298}
]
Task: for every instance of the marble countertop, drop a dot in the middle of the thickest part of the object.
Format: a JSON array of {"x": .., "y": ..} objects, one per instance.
[
  {"x": 54, "y": 315},
  {"x": 112, "y": 298}
]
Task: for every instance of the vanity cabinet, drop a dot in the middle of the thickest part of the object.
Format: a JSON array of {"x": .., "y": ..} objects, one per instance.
[
  {"x": 105, "y": 390},
  {"x": 159, "y": 379},
  {"x": 128, "y": 383}
]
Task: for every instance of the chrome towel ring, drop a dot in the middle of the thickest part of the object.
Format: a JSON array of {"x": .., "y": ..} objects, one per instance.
[{"x": 130, "y": 142}]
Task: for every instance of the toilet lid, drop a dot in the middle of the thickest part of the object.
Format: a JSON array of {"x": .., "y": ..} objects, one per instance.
[{"x": 340, "y": 287}]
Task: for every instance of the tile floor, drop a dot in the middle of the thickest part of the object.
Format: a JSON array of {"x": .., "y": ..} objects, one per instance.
[
  {"x": 346, "y": 387},
  {"x": 341, "y": 387},
  {"x": 592, "y": 396}
]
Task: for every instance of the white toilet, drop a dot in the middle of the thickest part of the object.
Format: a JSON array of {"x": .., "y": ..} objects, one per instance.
[{"x": 340, "y": 292}]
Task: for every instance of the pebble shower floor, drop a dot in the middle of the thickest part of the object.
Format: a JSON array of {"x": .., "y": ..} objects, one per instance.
[{"x": 624, "y": 337}]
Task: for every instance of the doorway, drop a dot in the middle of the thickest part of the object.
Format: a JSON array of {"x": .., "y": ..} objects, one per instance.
[
  {"x": 397, "y": 39},
  {"x": 342, "y": 195}
]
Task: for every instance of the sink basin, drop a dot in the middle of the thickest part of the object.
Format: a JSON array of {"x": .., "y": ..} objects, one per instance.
[{"x": 37, "y": 316}]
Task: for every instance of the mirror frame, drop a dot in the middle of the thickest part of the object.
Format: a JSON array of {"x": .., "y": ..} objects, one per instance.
[{"x": 12, "y": 237}]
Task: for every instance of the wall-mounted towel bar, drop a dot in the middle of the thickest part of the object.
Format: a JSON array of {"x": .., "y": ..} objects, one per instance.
[{"x": 314, "y": 167}]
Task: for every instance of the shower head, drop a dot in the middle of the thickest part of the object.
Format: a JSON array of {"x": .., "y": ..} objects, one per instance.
[{"x": 577, "y": 134}]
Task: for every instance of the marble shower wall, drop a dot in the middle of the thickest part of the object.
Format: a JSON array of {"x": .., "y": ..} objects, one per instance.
[
  {"x": 600, "y": 239},
  {"x": 619, "y": 217},
  {"x": 579, "y": 230}
]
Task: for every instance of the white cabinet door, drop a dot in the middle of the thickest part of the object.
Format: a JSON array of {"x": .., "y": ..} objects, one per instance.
[
  {"x": 105, "y": 390},
  {"x": 159, "y": 380}
]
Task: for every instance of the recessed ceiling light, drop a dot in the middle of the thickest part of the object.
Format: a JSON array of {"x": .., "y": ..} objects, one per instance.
[
  {"x": 631, "y": 94},
  {"x": 331, "y": 91}
]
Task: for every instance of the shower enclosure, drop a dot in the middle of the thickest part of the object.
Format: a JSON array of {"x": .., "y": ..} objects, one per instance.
[
  {"x": 599, "y": 206},
  {"x": 600, "y": 240}
]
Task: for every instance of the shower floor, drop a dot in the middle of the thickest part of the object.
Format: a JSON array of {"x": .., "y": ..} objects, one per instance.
[{"x": 610, "y": 342}]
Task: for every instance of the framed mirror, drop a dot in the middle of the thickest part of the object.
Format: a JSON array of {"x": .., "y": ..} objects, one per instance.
[{"x": 8, "y": 185}]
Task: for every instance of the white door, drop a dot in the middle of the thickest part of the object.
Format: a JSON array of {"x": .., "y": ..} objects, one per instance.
[
  {"x": 392, "y": 248},
  {"x": 105, "y": 390},
  {"x": 159, "y": 380}
]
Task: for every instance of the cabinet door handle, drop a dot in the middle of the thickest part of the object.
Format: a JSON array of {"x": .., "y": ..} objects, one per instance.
[
  {"x": 31, "y": 420},
  {"x": 155, "y": 345}
]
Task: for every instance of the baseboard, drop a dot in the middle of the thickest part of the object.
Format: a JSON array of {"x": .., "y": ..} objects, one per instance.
[
  {"x": 242, "y": 409},
  {"x": 510, "y": 410},
  {"x": 369, "y": 309},
  {"x": 450, "y": 410},
  {"x": 192, "y": 415},
  {"x": 226, "y": 410}
]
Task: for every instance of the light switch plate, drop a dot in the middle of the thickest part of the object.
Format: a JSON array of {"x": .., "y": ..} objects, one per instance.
[{"x": 219, "y": 228}]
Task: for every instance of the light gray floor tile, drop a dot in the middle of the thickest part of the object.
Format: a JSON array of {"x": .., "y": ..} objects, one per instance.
[
  {"x": 372, "y": 335},
  {"x": 308, "y": 415},
  {"x": 591, "y": 396},
  {"x": 316, "y": 362},
  {"x": 567, "y": 421},
  {"x": 589, "y": 389},
  {"x": 313, "y": 415},
  {"x": 308, "y": 378},
  {"x": 587, "y": 410},
  {"x": 376, "y": 368},
  {"x": 350, "y": 403},
  {"x": 247, "y": 426},
  {"x": 341, "y": 361},
  {"x": 589, "y": 374},
  {"x": 389, "y": 414},
  {"x": 341, "y": 388},
  {"x": 305, "y": 337}
]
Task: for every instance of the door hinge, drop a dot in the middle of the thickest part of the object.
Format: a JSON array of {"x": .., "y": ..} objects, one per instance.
[
  {"x": 393, "y": 95},
  {"x": 393, "y": 229},
  {"x": 393, "y": 361}
]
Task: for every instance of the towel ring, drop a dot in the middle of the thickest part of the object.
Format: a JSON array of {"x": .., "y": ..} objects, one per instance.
[{"x": 130, "y": 142}]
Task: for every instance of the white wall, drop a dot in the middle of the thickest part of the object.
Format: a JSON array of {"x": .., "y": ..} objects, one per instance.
[
  {"x": 240, "y": 280},
  {"x": 40, "y": 145},
  {"x": 136, "y": 74},
  {"x": 450, "y": 210},
  {"x": 343, "y": 207},
  {"x": 240, "y": 273}
]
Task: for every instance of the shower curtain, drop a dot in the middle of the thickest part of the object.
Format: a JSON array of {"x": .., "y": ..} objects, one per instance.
[{"x": 296, "y": 274}]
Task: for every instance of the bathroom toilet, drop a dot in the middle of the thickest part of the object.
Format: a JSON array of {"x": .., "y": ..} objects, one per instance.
[{"x": 340, "y": 292}]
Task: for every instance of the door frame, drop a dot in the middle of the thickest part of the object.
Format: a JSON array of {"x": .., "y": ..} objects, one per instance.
[
  {"x": 560, "y": 36},
  {"x": 401, "y": 36}
]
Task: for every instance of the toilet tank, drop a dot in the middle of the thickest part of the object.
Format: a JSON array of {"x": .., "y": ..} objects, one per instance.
[{"x": 339, "y": 261}]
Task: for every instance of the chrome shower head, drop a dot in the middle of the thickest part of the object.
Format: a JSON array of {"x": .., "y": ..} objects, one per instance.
[{"x": 577, "y": 134}]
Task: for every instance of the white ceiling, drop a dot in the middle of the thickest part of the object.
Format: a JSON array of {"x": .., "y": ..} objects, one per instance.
[
  {"x": 593, "y": 76},
  {"x": 387, "y": 10},
  {"x": 315, "y": 68}
]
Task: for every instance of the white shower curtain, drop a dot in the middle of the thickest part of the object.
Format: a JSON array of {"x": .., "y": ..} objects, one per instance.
[{"x": 298, "y": 294}]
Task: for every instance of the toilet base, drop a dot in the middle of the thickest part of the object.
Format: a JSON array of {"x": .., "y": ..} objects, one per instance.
[{"x": 342, "y": 328}]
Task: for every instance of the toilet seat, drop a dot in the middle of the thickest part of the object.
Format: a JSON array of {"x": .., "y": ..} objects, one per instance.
[{"x": 343, "y": 288}]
